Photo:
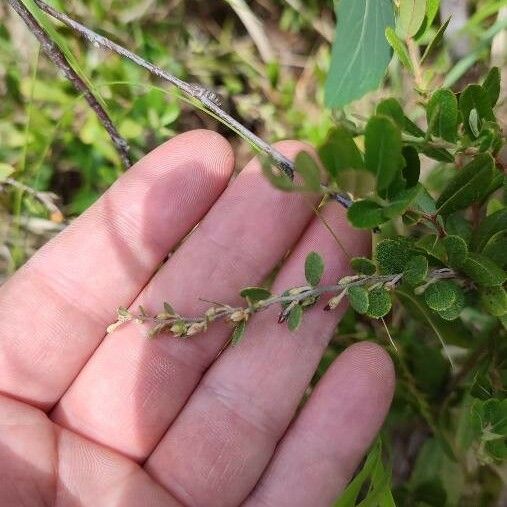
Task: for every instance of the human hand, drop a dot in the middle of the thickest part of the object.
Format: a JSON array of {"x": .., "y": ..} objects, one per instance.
[{"x": 88, "y": 420}]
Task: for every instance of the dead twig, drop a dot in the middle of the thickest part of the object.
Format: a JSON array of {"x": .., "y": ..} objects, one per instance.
[
  {"x": 56, "y": 55},
  {"x": 206, "y": 98}
]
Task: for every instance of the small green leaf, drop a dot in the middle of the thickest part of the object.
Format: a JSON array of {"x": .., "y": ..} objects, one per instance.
[
  {"x": 468, "y": 185},
  {"x": 392, "y": 255},
  {"x": 416, "y": 270},
  {"x": 432, "y": 10},
  {"x": 473, "y": 97},
  {"x": 441, "y": 295},
  {"x": 457, "y": 225},
  {"x": 442, "y": 114},
  {"x": 436, "y": 41},
  {"x": 295, "y": 317},
  {"x": 454, "y": 311},
  {"x": 360, "y": 54},
  {"x": 5, "y": 171},
  {"x": 494, "y": 300},
  {"x": 363, "y": 265},
  {"x": 483, "y": 270},
  {"x": 238, "y": 333},
  {"x": 402, "y": 201},
  {"x": 412, "y": 168},
  {"x": 491, "y": 86},
  {"x": 366, "y": 214},
  {"x": 358, "y": 299},
  {"x": 306, "y": 166},
  {"x": 314, "y": 268},
  {"x": 399, "y": 47},
  {"x": 490, "y": 226},
  {"x": 496, "y": 248},
  {"x": 380, "y": 303},
  {"x": 439, "y": 154},
  {"x": 411, "y": 16},
  {"x": 340, "y": 152},
  {"x": 255, "y": 294},
  {"x": 431, "y": 245},
  {"x": 383, "y": 150},
  {"x": 392, "y": 108},
  {"x": 457, "y": 250}
]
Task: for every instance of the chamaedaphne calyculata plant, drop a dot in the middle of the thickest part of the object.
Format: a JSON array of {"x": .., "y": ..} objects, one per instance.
[{"x": 431, "y": 187}]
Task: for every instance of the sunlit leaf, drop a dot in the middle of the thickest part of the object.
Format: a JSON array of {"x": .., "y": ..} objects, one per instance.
[{"x": 360, "y": 51}]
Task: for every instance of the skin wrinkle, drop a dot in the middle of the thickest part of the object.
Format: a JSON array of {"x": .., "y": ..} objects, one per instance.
[{"x": 137, "y": 385}]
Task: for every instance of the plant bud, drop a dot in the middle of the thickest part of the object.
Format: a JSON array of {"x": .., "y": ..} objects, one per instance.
[
  {"x": 179, "y": 329},
  {"x": 335, "y": 301},
  {"x": 196, "y": 328},
  {"x": 238, "y": 316}
]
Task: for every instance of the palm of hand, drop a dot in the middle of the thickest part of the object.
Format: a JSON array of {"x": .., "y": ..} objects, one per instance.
[{"x": 123, "y": 421}]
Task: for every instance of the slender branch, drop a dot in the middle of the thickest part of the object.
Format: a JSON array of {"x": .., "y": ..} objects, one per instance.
[
  {"x": 306, "y": 296},
  {"x": 204, "y": 96},
  {"x": 56, "y": 55}
]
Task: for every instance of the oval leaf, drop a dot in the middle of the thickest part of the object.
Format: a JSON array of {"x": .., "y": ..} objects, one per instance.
[
  {"x": 411, "y": 16},
  {"x": 360, "y": 52},
  {"x": 494, "y": 300},
  {"x": 363, "y": 266},
  {"x": 295, "y": 317},
  {"x": 483, "y": 270},
  {"x": 238, "y": 333},
  {"x": 442, "y": 114},
  {"x": 366, "y": 214},
  {"x": 358, "y": 299},
  {"x": 383, "y": 150},
  {"x": 255, "y": 294},
  {"x": 314, "y": 268},
  {"x": 416, "y": 270},
  {"x": 380, "y": 303},
  {"x": 457, "y": 250},
  {"x": 441, "y": 295},
  {"x": 468, "y": 186}
]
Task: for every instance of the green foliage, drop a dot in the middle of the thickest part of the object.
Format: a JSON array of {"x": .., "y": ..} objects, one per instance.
[
  {"x": 255, "y": 294},
  {"x": 415, "y": 270},
  {"x": 363, "y": 265},
  {"x": 440, "y": 233},
  {"x": 358, "y": 298},
  {"x": 238, "y": 333},
  {"x": 380, "y": 303},
  {"x": 483, "y": 270},
  {"x": 360, "y": 51},
  {"x": 456, "y": 249},
  {"x": 468, "y": 186},
  {"x": 383, "y": 150},
  {"x": 392, "y": 255},
  {"x": 314, "y": 268},
  {"x": 441, "y": 295},
  {"x": 295, "y": 317},
  {"x": 411, "y": 16},
  {"x": 442, "y": 113}
]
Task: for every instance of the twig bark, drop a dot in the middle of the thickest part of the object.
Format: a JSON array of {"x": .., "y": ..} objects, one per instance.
[
  {"x": 55, "y": 54},
  {"x": 204, "y": 96}
]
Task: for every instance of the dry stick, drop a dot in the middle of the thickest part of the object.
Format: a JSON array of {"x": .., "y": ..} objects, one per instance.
[
  {"x": 206, "y": 97},
  {"x": 58, "y": 58}
]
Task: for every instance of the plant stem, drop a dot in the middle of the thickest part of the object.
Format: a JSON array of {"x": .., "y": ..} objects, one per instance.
[
  {"x": 182, "y": 326},
  {"x": 56, "y": 55},
  {"x": 204, "y": 96}
]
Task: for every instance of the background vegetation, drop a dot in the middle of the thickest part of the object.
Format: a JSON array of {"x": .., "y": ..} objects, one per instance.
[{"x": 445, "y": 441}]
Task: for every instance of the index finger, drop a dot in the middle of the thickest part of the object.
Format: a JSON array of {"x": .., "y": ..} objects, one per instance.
[{"x": 53, "y": 312}]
